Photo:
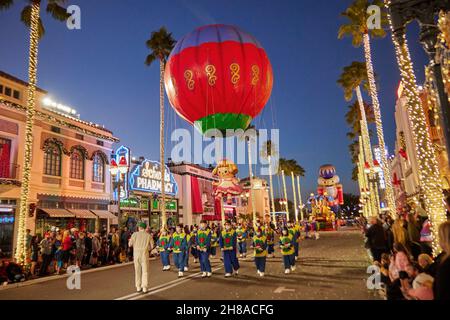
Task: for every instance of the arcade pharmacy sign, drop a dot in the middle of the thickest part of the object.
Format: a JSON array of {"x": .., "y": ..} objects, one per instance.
[{"x": 146, "y": 177}]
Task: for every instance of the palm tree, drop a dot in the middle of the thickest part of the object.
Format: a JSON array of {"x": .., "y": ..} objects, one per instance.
[
  {"x": 161, "y": 44},
  {"x": 352, "y": 78},
  {"x": 357, "y": 28},
  {"x": 30, "y": 16},
  {"x": 290, "y": 167}
]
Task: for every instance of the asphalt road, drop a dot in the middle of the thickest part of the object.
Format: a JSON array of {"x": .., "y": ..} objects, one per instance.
[{"x": 333, "y": 267}]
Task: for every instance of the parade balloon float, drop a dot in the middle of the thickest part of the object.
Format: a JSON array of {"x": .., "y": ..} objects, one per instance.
[
  {"x": 326, "y": 204},
  {"x": 228, "y": 185},
  {"x": 218, "y": 77}
]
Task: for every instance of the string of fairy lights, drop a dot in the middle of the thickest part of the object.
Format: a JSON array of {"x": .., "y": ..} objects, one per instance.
[
  {"x": 26, "y": 171},
  {"x": 444, "y": 46},
  {"x": 428, "y": 172},
  {"x": 366, "y": 151},
  {"x": 379, "y": 125}
]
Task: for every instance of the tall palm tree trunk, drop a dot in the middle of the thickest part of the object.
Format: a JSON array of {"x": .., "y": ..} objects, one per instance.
[
  {"x": 295, "y": 196},
  {"x": 285, "y": 195},
  {"x": 161, "y": 143},
  {"x": 300, "y": 202},
  {"x": 271, "y": 189},
  {"x": 379, "y": 125},
  {"x": 367, "y": 153},
  {"x": 428, "y": 172},
  {"x": 26, "y": 168},
  {"x": 250, "y": 173}
]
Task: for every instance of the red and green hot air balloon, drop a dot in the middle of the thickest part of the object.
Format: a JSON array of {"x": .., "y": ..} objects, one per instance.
[{"x": 218, "y": 77}]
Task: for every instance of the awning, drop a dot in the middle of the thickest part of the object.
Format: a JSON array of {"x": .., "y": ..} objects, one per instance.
[
  {"x": 83, "y": 214},
  {"x": 105, "y": 214},
  {"x": 58, "y": 213}
]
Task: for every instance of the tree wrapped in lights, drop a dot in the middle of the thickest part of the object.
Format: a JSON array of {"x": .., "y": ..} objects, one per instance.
[
  {"x": 444, "y": 46},
  {"x": 428, "y": 169},
  {"x": 356, "y": 27}
]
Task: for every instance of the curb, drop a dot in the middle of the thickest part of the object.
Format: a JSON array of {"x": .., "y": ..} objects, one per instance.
[{"x": 62, "y": 276}]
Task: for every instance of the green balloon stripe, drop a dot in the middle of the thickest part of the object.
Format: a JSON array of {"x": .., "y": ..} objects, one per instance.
[{"x": 223, "y": 121}]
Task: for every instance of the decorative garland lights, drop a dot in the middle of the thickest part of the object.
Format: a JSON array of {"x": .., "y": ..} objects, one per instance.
[
  {"x": 444, "y": 47},
  {"x": 428, "y": 171},
  {"x": 30, "y": 112}
]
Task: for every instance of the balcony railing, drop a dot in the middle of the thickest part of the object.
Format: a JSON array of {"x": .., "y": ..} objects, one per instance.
[{"x": 9, "y": 171}]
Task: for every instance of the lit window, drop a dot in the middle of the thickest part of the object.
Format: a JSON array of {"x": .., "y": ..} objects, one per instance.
[
  {"x": 76, "y": 165},
  {"x": 98, "y": 167},
  {"x": 52, "y": 160}
]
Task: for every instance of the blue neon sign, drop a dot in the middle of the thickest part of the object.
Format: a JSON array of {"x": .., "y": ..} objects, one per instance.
[{"x": 146, "y": 177}]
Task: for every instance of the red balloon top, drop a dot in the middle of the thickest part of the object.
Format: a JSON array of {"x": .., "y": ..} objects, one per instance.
[{"x": 220, "y": 76}]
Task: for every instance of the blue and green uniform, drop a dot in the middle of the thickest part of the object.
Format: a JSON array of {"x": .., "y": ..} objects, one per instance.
[
  {"x": 163, "y": 244},
  {"x": 179, "y": 247},
  {"x": 242, "y": 235},
  {"x": 228, "y": 243},
  {"x": 270, "y": 235},
  {"x": 203, "y": 241},
  {"x": 260, "y": 252},
  {"x": 214, "y": 243},
  {"x": 294, "y": 232},
  {"x": 186, "y": 254},
  {"x": 287, "y": 250}
]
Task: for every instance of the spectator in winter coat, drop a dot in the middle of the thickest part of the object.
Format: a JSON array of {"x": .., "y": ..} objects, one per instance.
[
  {"x": 376, "y": 239},
  {"x": 442, "y": 280}
]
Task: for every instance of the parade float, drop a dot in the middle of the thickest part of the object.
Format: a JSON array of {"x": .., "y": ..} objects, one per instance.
[
  {"x": 326, "y": 204},
  {"x": 219, "y": 77}
]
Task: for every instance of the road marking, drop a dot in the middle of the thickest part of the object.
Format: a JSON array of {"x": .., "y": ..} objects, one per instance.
[
  {"x": 162, "y": 287},
  {"x": 282, "y": 289}
]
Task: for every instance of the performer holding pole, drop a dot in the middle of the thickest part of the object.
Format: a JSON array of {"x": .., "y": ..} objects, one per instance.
[
  {"x": 287, "y": 250},
  {"x": 179, "y": 248},
  {"x": 260, "y": 251},
  {"x": 162, "y": 245}
]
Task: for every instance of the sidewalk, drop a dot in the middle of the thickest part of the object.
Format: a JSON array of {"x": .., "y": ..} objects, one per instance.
[{"x": 62, "y": 276}]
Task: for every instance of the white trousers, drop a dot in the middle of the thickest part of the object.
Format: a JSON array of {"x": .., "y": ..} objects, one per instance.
[{"x": 141, "y": 266}]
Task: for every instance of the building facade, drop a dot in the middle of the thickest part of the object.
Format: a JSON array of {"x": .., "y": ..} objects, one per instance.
[
  {"x": 261, "y": 195},
  {"x": 70, "y": 184}
]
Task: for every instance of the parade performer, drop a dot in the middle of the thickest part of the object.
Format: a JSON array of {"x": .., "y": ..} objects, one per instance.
[
  {"x": 270, "y": 236},
  {"x": 187, "y": 232},
  {"x": 260, "y": 251},
  {"x": 242, "y": 235},
  {"x": 179, "y": 248},
  {"x": 228, "y": 244},
  {"x": 287, "y": 250},
  {"x": 203, "y": 241},
  {"x": 140, "y": 242},
  {"x": 295, "y": 234},
  {"x": 214, "y": 240},
  {"x": 193, "y": 244},
  {"x": 163, "y": 245}
]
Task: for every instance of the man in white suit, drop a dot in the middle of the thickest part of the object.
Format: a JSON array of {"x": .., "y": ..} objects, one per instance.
[{"x": 140, "y": 241}]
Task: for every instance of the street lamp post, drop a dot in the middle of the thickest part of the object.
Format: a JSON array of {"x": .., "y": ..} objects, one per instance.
[{"x": 120, "y": 169}]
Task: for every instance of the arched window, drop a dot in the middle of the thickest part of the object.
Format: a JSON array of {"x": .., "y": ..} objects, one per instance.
[
  {"x": 98, "y": 168},
  {"x": 52, "y": 160},
  {"x": 76, "y": 165}
]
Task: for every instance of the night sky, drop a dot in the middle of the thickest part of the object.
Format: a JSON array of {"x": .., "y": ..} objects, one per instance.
[{"x": 100, "y": 70}]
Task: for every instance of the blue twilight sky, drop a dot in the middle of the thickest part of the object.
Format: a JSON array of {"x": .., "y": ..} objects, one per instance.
[{"x": 100, "y": 71}]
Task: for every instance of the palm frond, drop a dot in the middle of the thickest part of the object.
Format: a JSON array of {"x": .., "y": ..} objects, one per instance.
[
  {"x": 5, "y": 4},
  {"x": 57, "y": 11}
]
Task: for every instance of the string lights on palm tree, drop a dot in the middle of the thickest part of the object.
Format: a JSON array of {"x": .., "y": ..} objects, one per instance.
[
  {"x": 30, "y": 16},
  {"x": 161, "y": 44},
  {"x": 357, "y": 28}
]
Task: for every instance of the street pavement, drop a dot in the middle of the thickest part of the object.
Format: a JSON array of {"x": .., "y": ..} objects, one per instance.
[{"x": 332, "y": 267}]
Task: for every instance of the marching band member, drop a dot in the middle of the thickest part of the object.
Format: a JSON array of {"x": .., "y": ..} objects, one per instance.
[
  {"x": 179, "y": 248},
  {"x": 287, "y": 250},
  {"x": 214, "y": 240},
  {"x": 189, "y": 244},
  {"x": 203, "y": 241},
  {"x": 260, "y": 251},
  {"x": 228, "y": 243},
  {"x": 162, "y": 245},
  {"x": 242, "y": 235}
]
